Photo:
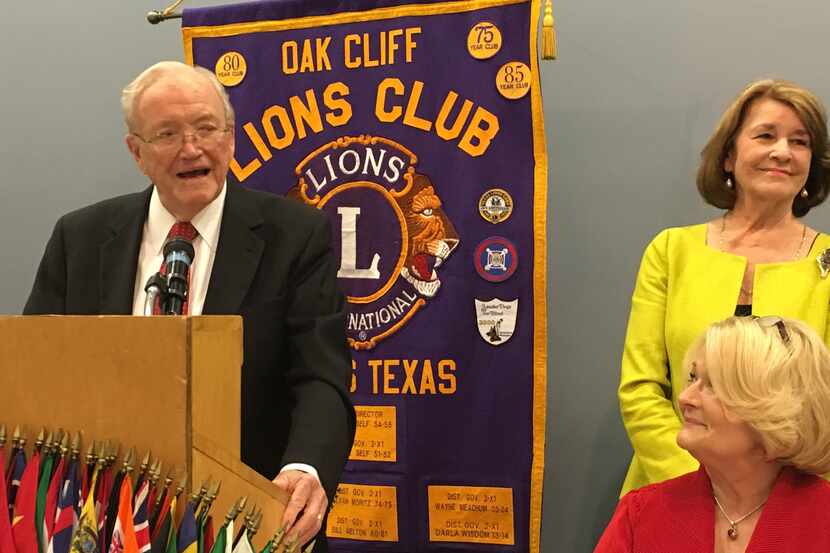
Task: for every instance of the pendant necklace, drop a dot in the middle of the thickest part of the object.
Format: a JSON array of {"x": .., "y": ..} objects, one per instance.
[{"x": 733, "y": 524}]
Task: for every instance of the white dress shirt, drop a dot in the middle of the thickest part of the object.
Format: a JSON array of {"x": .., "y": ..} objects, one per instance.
[
  {"x": 150, "y": 256},
  {"x": 207, "y": 223}
]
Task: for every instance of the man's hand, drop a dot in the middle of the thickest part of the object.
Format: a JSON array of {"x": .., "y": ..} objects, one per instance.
[{"x": 306, "y": 508}]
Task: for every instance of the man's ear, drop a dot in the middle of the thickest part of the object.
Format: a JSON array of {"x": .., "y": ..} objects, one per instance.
[{"x": 134, "y": 146}]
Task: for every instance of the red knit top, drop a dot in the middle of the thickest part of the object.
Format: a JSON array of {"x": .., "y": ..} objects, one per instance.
[{"x": 678, "y": 516}]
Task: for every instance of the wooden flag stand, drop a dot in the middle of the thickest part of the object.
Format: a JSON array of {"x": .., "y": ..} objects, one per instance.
[{"x": 170, "y": 385}]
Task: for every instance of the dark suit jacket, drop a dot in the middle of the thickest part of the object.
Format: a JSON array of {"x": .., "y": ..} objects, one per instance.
[{"x": 274, "y": 266}]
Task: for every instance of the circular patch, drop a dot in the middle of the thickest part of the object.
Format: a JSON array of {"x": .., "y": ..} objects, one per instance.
[
  {"x": 496, "y": 259},
  {"x": 495, "y": 205},
  {"x": 231, "y": 68},
  {"x": 513, "y": 80},
  {"x": 484, "y": 40}
]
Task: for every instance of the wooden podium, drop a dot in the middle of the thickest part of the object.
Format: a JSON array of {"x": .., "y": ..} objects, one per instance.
[{"x": 170, "y": 385}]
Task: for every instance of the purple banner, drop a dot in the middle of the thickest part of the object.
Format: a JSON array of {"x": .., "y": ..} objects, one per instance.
[{"x": 418, "y": 129}]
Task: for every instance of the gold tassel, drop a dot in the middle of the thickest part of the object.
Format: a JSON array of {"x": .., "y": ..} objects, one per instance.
[
  {"x": 548, "y": 33},
  {"x": 171, "y": 8}
]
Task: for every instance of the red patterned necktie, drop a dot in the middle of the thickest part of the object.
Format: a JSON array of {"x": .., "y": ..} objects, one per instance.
[{"x": 185, "y": 230}]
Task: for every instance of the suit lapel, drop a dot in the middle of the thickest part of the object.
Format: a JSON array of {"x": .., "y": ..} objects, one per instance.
[
  {"x": 237, "y": 254},
  {"x": 119, "y": 254}
]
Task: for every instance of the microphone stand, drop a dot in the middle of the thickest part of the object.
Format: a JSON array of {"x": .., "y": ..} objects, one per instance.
[{"x": 156, "y": 287}]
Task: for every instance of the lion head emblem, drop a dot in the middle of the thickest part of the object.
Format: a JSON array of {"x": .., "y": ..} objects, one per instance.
[
  {"x": 393, "y": 231},
  {"x": 432, "y": 237}
]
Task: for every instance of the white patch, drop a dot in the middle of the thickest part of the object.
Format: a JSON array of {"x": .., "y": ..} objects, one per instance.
[{"x": 496, "y": 320}]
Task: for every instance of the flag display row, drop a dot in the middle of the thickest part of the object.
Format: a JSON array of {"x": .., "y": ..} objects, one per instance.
[{"x": 54, "y": 500}]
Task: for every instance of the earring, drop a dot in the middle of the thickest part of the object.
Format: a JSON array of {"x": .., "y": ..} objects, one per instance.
[
  {"x": 804, "y": 192},
  {"x": 729, "y": 184}
]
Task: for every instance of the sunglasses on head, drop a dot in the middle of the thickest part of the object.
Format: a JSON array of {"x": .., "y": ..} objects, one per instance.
[{"x": 777, "y": 322}]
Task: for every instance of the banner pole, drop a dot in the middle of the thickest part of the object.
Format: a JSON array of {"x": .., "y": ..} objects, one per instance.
[{"x": 154, "y": 17}]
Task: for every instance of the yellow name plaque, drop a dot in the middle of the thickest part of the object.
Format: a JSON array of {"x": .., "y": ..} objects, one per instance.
[
  {"x": 471, "y": 514},
  {"x": 376, "y": 437},
  {"x": 361, "y": 512}
]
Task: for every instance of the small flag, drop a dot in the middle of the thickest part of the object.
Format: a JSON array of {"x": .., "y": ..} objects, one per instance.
[
  {"x": 142, "y": 526},
  {"x": 51, "y": 505},
  {"x": 228, "y": 537},
  {"x": 40, "y": 501},
  {"x": 158, "y": 513},
  {"x": 171, "y": 543},
  {"x": 18, "y": 465},
  {"x": 85, "y": 476},
  {"x": 224, "y": 538},
  {"x": 123, "y": 535},
  {"x": 163, "y": 530},
  {"x": 244, "y": 544},
  {"x": 151, "y": 501},
  {"x": 85, "y": 539},
  {"x": 105, "y": 496},
  {"x": 110, "y": 513},
  {"x": 65, "y": 516},
  {"x": 220, "y": 544},
  {"x": 161, "y": 512},
  {"x": 207, "y": 534},
  {"x": 186, "y": 542},
  {"x": 6, "y": 539},
  {"x": 23, "y": 522}
]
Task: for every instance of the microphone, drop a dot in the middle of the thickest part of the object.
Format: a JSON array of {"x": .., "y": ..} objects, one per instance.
[
  {"x": 178, "y": 255},
  {"x": 156, "y": 287}
]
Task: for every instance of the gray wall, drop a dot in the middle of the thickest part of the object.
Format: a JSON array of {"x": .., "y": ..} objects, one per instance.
[
  {"x": 628, "y": 106},
  {"x": 635, "y": 95}
]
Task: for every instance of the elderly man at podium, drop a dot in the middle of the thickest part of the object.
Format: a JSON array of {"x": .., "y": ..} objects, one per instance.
[{"x": 258, "y": 255}]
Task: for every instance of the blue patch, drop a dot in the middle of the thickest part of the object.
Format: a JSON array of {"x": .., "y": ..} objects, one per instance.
[{"x": 496, "y": 259}]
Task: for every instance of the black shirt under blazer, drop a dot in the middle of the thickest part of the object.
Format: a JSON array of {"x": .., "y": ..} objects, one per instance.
[{"x": 275, "y": 267}]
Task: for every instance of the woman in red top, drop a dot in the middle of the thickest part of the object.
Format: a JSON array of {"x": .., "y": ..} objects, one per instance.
[{"x": 756, "y": 414}]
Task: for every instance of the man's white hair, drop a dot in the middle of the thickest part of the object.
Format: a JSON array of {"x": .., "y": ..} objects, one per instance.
[{"x": 154, "y": 73}]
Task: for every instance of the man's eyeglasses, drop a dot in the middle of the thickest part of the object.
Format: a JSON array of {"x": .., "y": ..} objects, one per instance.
[
  {"x": 775, "y": 321},
  {"x": 203, "y": 136}
]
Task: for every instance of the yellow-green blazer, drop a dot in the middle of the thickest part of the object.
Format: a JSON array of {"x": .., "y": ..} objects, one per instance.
[{"x": 682, "y": 287}]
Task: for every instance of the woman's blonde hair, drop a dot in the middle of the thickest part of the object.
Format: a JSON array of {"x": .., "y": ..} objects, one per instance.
[
  {"x": 774, "y": 374},
  {"x": 711, "y": 175}
]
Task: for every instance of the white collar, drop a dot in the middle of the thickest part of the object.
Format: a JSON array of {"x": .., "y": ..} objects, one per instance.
[{"x": 206, "y": 222}]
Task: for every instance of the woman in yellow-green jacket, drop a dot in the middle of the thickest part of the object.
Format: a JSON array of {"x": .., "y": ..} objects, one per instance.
[{"x": 767, "y": 165}]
